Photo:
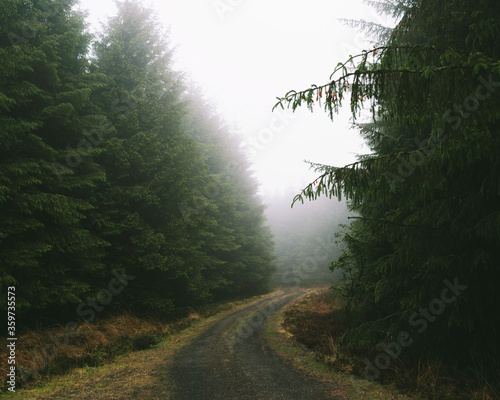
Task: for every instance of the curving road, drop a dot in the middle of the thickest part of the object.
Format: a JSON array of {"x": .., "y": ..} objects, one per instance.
[{"x": 231, "y": 360}]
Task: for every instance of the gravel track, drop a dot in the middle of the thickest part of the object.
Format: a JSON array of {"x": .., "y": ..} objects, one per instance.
[{"x": 231, "y": 360}]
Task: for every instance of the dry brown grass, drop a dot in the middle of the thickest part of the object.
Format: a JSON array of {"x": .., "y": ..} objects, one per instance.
[
  {"x": 68, "y": 373},
  {"x": 314, "y": 322},
  {"x": 318, "y": 322},
  {"x": 56, "y": 350}
]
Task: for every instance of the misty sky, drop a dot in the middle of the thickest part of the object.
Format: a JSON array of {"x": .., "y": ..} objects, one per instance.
[{"x": 245, "y": 53}]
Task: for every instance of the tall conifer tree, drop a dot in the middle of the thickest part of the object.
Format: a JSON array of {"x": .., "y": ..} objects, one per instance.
[
  {"x": 428, "y": 194},
  {"x": 47, "y": 169}
]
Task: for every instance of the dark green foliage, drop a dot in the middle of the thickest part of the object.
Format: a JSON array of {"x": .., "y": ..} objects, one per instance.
[
  {"x": 108, "y": 169},
  {"x": 428, "y": 196},
  {"x": 151, "y": 165},
  {"x": 45, "y": 111}
]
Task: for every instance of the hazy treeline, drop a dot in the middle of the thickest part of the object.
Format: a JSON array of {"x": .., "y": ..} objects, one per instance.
[
  {"x": 305, "y": 239},
  {"x": 118, "y": 186}
]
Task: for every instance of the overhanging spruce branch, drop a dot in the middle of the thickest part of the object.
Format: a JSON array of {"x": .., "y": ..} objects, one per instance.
[
  {"x": 366, "y": 75},
  {"x": 383, "y": 221},
  {"x": 318, "y": 167},
  {"x": 326, "y": 180}
]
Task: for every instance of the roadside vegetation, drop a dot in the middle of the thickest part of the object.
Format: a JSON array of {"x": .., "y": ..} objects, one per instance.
[{"x": 319, "y": 322}]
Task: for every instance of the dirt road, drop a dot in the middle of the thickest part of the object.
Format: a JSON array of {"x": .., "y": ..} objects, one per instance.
[{"x": 231, "y": 360}]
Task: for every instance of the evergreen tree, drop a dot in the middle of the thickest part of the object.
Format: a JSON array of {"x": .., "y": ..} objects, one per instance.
[
  {"x": 428, "y": 195},
  {"x": 152, "y": 167},
  {"x": 241, "y": 241},
  {"x": 47, "y": 166}
]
